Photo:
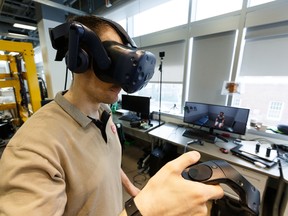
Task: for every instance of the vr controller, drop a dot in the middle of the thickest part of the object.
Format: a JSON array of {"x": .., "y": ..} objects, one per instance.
[{"x": 219, "y": 171}]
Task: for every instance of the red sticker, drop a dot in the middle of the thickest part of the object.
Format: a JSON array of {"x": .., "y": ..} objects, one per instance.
[{"x": 113, "y": 128}]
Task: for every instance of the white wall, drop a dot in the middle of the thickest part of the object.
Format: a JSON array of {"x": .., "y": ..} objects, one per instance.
[{"x": 54, "y": 71}]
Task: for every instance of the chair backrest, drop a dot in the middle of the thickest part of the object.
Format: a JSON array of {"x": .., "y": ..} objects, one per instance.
[{"x": 121, "y": 134}]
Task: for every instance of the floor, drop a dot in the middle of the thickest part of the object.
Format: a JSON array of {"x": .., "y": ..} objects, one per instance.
[{"x": 131, "y": 155}]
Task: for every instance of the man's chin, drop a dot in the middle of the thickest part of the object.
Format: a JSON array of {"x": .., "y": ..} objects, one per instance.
[
  {"x": 112, "y": 100},
  {"x": 115, "y": 89}
]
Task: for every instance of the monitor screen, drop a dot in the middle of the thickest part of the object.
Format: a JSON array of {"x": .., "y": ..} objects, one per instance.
[
  {"x": 138, "y": 104},
  {"x": 224, "y": 118}
]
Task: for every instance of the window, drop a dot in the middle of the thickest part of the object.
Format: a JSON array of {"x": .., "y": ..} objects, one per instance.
[
  {"x": 4, "y": 68},
  {"x": 123, "y": 23},
  {"x": 263, "y": 72},
  {"x": 258, "y": 2},
  {"x": 275, "y": 110},
  {"x": 214, "y": 53},
  {"x": 172, "y": 78},
  {"x": 170, "y": 97},
  {"x": 170, "y": 14},
  {"x": 207, "y": 73},
  {"x": 210, "y": 8}
]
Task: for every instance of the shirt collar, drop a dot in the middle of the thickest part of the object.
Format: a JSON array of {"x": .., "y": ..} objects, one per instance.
[{"x": 73, "y": 111}]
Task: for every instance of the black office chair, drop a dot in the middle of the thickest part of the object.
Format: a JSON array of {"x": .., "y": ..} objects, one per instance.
[
  {"x": 228, "y": 206},
  {"x": 121, "y": 135},
  {"x": 7, "y": 129}
]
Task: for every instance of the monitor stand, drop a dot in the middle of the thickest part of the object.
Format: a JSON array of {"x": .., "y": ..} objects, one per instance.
[{"x": 211, "y": 131}]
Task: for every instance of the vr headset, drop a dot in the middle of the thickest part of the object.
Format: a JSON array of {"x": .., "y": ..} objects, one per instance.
[{"x": 122, "y": 64}]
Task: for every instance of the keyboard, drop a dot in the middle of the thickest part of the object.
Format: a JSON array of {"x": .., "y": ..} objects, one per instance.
[
  {"x": 129, "y": 118},
  {"x": 194, "y": 133}
]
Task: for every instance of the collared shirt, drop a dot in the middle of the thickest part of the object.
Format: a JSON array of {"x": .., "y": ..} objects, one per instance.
[{"x": 58, "y": 163}]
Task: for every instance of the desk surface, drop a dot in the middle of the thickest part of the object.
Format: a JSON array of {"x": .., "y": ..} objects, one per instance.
[
  {"x": 284, "y": 166},
  {"x": 134, "y": 131},
  {"x": 173, "y": 133}
]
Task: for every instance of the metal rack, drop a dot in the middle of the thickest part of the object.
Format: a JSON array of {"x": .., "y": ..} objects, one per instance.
[{"x": 16, "y": 78}]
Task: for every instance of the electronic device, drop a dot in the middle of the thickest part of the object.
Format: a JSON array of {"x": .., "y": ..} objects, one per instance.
[
  {"x": 283, "y": 128},
  {"x": 252, "y": 158},
  {"x": 219, "y": 171},
  {"x": 223, "y": 150},
  {"x": 122, "y": 64},
  {"x": 135, "y": 124},
  {"x": 195, "y": 133},
  {"x": 131, "y": 117},
  {"x": 197, "y": 141},
  {"x": 140, "y": 105},
  {"x": 222, "y": 118}
]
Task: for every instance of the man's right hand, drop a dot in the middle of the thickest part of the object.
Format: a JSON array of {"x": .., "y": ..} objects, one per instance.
[{"x": 168, "y": 193}]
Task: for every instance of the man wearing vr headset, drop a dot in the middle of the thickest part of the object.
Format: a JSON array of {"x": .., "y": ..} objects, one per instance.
[{"x": 66, "y": 159}]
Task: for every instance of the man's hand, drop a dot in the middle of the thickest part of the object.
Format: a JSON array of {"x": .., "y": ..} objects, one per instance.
[{"x": 168, "y": 193}]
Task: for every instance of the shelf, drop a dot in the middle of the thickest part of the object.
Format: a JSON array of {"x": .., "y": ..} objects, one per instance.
[{"x": 7, "y": 106}]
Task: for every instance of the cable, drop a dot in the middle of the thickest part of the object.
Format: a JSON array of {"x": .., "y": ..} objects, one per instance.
[
  {"x": 66, "y": 78},
  {"x": 185, "y": 147}
]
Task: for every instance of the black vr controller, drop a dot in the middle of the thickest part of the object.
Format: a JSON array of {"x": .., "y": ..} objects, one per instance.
[
  {"x": 219, "y": 171},
  {"x": 122, "y": 64}
]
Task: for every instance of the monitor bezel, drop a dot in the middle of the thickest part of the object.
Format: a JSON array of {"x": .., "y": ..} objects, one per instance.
[
  {"x": 220, "y": 107},
  {"x": 143, "y": 112}
]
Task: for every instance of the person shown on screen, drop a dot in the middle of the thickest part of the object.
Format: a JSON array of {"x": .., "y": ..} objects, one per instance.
[
  {"x": 66, "y": 158},
  {"x": 219, "y": 122}
]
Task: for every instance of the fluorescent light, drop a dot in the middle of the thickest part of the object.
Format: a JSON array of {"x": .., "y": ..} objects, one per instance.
[
  {"x": 17, "y": 34},
  {"x": 18, "y": 25}
]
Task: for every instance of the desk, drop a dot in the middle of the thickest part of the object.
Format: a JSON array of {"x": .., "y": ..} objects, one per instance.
[
  {"x": 173, "y": 134},
  {"x": 257, "y": 176},
  {"x": 284, "y": 203},
  {"x": 136, "y": 132}
]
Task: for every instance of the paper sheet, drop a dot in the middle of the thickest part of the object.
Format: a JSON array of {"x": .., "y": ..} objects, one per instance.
[{"x": 250, "y": 148}]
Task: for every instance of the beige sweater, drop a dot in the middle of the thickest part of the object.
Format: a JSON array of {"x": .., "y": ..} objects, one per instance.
[{"x": 58, "y": 164}]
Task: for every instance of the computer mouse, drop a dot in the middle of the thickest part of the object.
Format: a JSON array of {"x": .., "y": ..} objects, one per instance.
[{"x": 223, "y": 150}]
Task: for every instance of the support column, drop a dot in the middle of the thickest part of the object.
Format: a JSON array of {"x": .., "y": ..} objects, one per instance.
[{"x": 50, "y": 17}]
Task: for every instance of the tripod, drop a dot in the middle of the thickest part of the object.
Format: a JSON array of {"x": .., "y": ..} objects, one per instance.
[{"x": 161, "y": 55}]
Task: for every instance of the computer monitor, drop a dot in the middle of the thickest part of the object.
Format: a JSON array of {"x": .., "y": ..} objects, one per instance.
[
  {"x": 223, "y": 118},
  {"x": 138, "y": 104}
]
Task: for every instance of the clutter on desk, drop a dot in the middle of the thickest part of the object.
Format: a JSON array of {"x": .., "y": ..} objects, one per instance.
[
  {"x": 256, "y": 153},
  {"x": 261, "y": 150},
  {"x": 142, "y": 124},
  {"x": 223, "y": 150}
]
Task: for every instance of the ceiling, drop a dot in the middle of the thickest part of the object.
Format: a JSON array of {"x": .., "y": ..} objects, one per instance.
[{"x": 24, "y": 12}]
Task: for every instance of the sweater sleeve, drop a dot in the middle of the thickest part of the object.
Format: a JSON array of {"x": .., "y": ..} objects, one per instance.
[{"x": 30, "y": 184}]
